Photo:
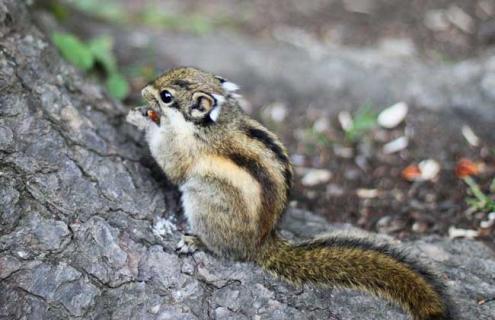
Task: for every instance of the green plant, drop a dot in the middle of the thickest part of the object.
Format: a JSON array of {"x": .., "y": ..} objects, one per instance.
[
  {"x": 479, "y": 201},
  {"x": 86, "y": 56},
  {"x": 363, "y": 121},
  {"x": 74, "y": 50}
]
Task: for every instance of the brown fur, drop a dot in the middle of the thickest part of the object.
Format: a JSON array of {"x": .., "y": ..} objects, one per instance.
[{"x": 235, "y": 176}]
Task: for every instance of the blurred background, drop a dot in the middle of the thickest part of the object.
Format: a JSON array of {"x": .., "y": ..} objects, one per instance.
[{"x": 387, "y": 107}]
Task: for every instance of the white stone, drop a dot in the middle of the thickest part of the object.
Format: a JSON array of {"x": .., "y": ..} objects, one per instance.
[
  {"x": 393, "y": 115},
  {"x": 314, "y": 177},
  {"x": 396, "y": 145},
  {"x": 367, "y": 193},
  {"x": 470, "y": 136},
  {"x": 429, "y": 169}
]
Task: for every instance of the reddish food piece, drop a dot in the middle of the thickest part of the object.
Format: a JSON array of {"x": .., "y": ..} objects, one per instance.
[
  {"x": 466, "y": 168},
  {"x": 153, "y": 115},
  {"x": 411, "y": 172}
]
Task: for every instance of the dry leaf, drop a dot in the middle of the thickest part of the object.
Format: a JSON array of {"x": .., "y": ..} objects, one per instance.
[
  {"x": 466, "y": 168},
  {"x": 411, "y": 173}
]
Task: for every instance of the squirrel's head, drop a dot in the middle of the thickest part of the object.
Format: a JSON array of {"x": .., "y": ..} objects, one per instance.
[{"x": 196, "y": 95}]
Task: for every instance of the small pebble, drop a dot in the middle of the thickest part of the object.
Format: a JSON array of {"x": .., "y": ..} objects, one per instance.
[
  {"x": 393, "y": 115},
  {"x": 314, "y": 177},
  {"x": 367, "y": 193},
  {"x": 396, "y": 145},
  {"x": 470, "y": 136},
  {"x": 429, "y": 169}
]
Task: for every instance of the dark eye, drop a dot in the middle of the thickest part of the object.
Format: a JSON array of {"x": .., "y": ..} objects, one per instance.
[{"x": 166, "y": 96}]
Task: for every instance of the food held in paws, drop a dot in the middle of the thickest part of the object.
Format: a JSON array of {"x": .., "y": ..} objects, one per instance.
[{"x": 153, "y": 115}]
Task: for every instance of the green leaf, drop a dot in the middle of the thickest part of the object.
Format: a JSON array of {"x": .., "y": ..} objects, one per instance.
[
  {"x": 117, "y": 86},
  {"x": 101, "y": 48},
  {"x": 73, "y": 50},
  {"x": 364, "y": 120}
]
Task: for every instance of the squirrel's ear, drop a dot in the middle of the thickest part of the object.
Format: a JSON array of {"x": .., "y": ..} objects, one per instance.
[
  {"x": 206, "y": 105},
  {"x": 203, "y": 103}
]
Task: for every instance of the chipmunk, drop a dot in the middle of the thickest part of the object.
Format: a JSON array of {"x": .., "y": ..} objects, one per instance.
[{"x": 235, "y": 177}]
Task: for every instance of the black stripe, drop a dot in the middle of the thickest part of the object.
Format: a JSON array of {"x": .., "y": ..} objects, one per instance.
[
  {"x": 257, "y": 171},
  {"x": 182, "y": 83},
  {"x": 288, "y": 180},
  {"x": 268, "y": 188},
  {"x": 265, "y": 138}
]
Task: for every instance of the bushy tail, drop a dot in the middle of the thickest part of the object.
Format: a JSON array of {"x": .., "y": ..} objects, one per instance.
[{"x": 362, "y": 265}]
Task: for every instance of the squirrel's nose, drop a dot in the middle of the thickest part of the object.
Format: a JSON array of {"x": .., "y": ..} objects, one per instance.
[{"x": 144, "y": 111}]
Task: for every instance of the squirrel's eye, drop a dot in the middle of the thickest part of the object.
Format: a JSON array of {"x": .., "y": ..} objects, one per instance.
[{"x": 166, "y": 96}]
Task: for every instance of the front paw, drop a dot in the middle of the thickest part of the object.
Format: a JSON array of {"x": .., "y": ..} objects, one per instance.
[
  {"x": 138, "y": 117},
  {"x": 188, "y": 244}
]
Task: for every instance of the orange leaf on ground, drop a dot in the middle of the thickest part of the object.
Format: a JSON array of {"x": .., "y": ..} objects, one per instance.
[
  {"x": 411, "y": 172},
  {"x": 466, "y": 168}
]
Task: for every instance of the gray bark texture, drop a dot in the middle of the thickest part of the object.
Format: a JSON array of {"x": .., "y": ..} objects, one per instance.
[{"x": 88, "y": 228}]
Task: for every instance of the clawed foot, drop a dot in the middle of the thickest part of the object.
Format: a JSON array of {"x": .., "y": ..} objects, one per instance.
[{"x": 188, "y": 244}]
